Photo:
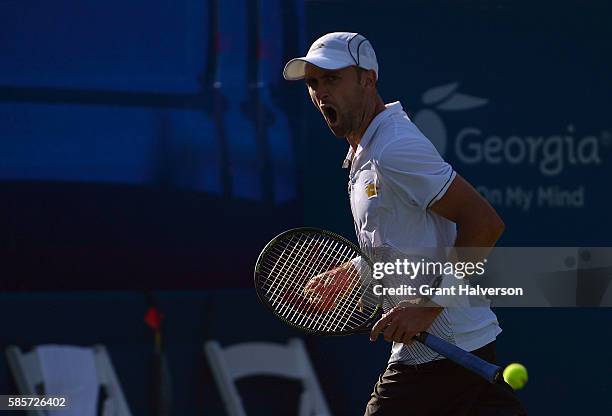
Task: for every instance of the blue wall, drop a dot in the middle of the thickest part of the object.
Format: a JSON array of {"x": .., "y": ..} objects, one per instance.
[{"x": 184, "y": 93}]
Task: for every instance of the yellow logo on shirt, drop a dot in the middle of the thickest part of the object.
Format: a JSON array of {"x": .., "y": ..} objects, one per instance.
[{"x": 371, "y": 190}]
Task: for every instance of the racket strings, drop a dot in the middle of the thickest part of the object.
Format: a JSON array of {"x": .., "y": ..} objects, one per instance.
[
  {"x": 291, "y": 263},
  {"x": 363, "y": 299},
  {"x": 328, "y": 262},
  {"x": 342, "y": 308},
  {"x": 282, "y": 282},
  {"x": 342, "y": 314},
  {"x": 322, "y": 263},
  {"x": 282, "y": 285},
  {"x": 302, "y": 280},
  {"x": 287, "y": 273},
  {"x": 326, "y": 265},
  {"x": 340, "y": 300},
  {"x": 325, "y": 262}
]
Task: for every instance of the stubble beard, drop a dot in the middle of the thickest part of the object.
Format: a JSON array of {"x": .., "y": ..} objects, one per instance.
[
  {"x": 351, "y": 118},
  {"x": 347, "y": 123}
]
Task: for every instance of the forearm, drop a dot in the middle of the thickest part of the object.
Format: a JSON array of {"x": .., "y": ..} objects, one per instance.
[{"x": 476, "y": 238}]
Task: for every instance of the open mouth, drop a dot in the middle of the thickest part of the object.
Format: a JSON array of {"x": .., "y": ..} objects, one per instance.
[{"x": 330, "y": 114}]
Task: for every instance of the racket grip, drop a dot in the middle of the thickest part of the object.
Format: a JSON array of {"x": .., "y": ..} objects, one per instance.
[{"x": 490, "y": 372}]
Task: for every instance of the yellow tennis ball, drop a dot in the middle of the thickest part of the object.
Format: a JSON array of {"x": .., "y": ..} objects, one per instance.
[{"x": 516, "y": 375}]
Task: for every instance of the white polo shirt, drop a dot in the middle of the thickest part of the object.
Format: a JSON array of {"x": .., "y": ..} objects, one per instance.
[{"x": 396, "y": 174}]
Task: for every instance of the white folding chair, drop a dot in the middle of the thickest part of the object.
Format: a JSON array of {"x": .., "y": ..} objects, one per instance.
[
  {"x": 26, "y": 370},
  {"x": 265, "y": 359}
]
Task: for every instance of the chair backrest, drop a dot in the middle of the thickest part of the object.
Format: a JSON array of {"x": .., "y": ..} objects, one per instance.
[
  {"x": 26, "y": 370},
  {"x": 265, "y": 359}
]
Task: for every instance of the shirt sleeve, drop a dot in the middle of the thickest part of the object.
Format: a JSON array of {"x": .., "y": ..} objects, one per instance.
[{"x": 415, "y": 171}]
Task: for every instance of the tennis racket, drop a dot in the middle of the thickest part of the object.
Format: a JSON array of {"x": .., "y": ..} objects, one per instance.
[{"x": 321, "y": 283}]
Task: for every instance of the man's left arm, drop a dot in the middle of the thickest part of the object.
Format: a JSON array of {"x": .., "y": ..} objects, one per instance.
[{"x": 479, "y": 227}]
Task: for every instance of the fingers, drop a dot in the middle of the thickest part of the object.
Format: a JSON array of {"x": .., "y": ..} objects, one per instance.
[
  {"x": 312, "y": 289},
  {"x": 394, "y": 326},
  {"x": 402, "y": 323},
  {"x": 313, "y": 284},
  {"x": 380, "y": 325},
  {"x": 390, "y": 331},
  {"x": 405, "y": 339},
  {"x": 320, "y": 293},
  {"x": 325, "y": 290}
]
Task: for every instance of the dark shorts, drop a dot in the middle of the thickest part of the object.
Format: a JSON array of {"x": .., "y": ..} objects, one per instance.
[{"x": 441, "y": 388}]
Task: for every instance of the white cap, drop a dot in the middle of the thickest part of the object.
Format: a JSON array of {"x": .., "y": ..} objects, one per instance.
[{"x": 334, "y": 51}]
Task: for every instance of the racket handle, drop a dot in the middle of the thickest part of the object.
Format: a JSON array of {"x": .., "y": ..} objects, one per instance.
[{"x": 488, "y": 371}]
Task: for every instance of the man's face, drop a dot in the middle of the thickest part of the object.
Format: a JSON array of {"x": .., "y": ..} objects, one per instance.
[{"x": 338, "y": 95}]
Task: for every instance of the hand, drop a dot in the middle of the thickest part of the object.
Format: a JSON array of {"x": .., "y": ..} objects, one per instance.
[
  {"x": 327, "y": 289},
  {"x": 403, "y": 322}
]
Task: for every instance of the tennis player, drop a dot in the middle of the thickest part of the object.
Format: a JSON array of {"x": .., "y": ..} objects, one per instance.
[{"x": 403, "y": 194}]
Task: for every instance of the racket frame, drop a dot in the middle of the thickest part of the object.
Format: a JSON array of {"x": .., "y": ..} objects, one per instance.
[{"x": 361, "y": 329}]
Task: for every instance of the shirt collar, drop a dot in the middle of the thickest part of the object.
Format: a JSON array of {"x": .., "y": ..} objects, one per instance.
[{"x": 390, "y": 109}]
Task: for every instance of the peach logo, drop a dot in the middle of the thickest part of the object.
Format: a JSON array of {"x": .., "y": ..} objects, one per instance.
[
  {"x": 550, "y": 154},
  {"x": 442, "y": 98}
]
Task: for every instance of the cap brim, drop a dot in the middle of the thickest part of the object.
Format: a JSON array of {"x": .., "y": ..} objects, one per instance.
[{"x": 295, "y": 68}]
